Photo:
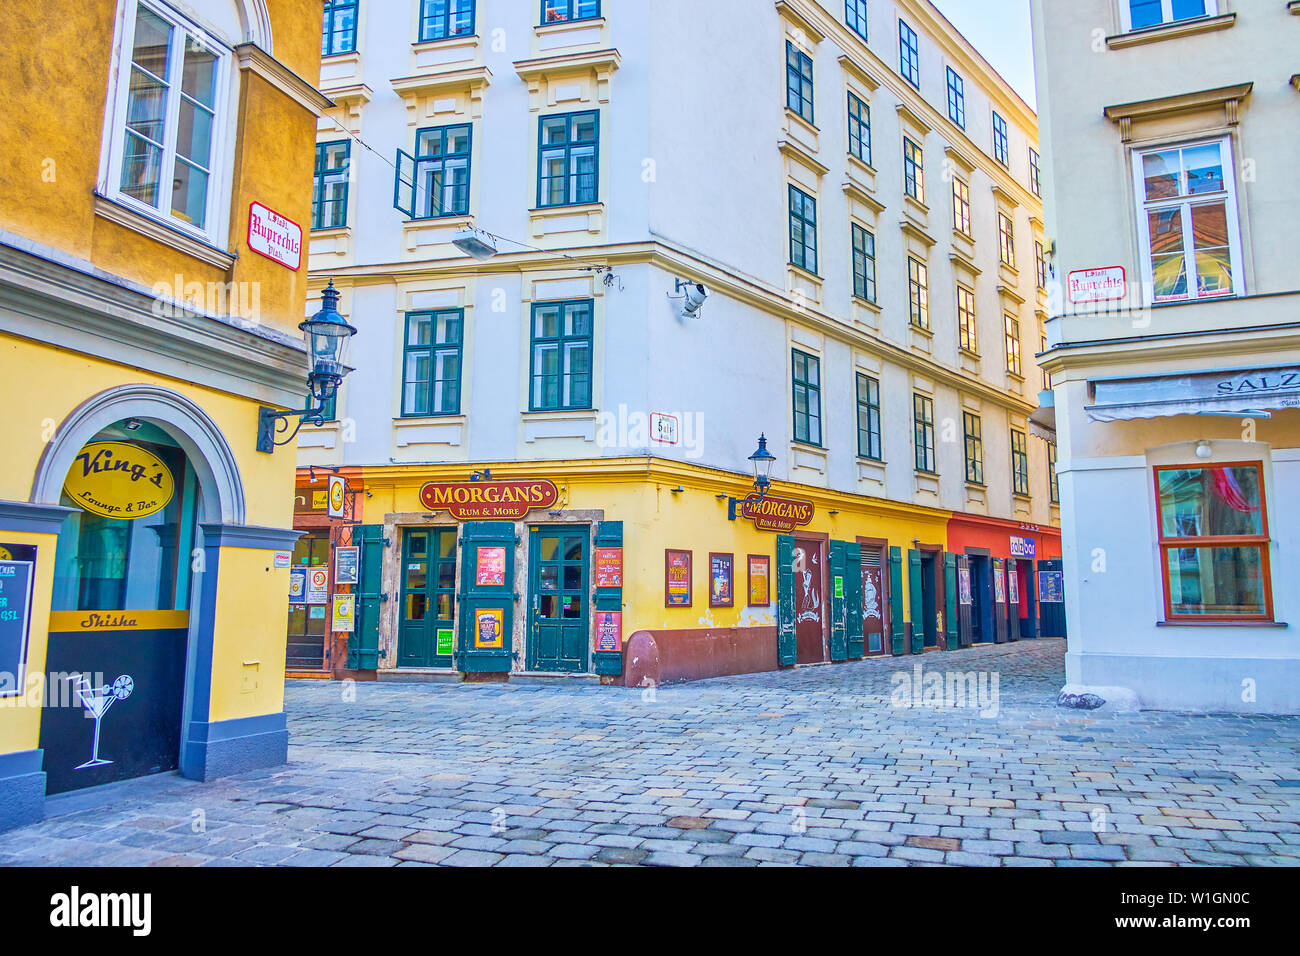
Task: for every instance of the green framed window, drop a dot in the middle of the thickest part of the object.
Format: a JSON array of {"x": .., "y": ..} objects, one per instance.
[
  {"x": 909, "y": 54},
  {"x": 956, "y": 98},
  {"x": 329, "y": 196},
  {"x": 1035, "y": 173},
  {"x": 1011, "y": 326},
  {"x": 967, "y": 339},
  {"x": 913, "y": 170},
  {"x": 1006, "y": 240},
  {"x": 568, "y": 159},
  {"x": 1019, "y": 463},
  {"x": 1047, "y": 377},
  {"x": 923, "y": 420},
  {"x": 431, "y": 363},
  {"x": 864, "y": 263},
  {"x": 444, "y": 19},
  {"x": 807, "y": 398},
  {"x": 803, "y": 230},
  {"x": 1001, "y": 140},
  {"x": 799, "y": 81},
  {"x": 557, "y": 11},
  {"x": 869, "y": 440},
  {"x": 855, "y": 15},
  {"x": 859, "y": 129},
  {"x": 1040, "y": 265},
  {"x": 561, "y": 369},
  {"x": 918, "y": 288},
  {"x": 434, "y": 183},
  {"x": 339, "y": 30},
  {"x": 1053, "y": 483},
  {"x": 974, "y": 432},
  {"x": 961, "y": 206}
]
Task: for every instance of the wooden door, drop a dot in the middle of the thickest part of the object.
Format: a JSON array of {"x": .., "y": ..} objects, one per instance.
[
  {"x": 809, "y": 567},
  {"x": 558, "y": 568}
]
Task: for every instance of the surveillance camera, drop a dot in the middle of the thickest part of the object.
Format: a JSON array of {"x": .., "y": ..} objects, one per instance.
[{"x": 694, "y": 296}]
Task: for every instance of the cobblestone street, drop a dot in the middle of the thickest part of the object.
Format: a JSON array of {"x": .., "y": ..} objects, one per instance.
[{"x": 814, "y": 767}]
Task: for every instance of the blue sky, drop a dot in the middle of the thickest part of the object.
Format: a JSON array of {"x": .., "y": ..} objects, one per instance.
[{"x": 999, "y": 29}]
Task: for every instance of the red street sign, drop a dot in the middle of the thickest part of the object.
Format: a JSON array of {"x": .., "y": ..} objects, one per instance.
[
  {"x": 274, "y": 236},
  {"x": 476, "y": 500},
  {"x": 774, "y": 513}
]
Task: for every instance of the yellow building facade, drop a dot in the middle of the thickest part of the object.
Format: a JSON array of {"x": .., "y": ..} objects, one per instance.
[{"x": 152, "y": 176}]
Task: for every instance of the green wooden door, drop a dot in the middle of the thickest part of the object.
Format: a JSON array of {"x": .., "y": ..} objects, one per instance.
[
  {"x": 916, "y": 591},
  {"x": 558, "y": 599},
  {"x": 426, "y": 630},
  {"x": 839, "y": 645},
  {"x": 363, "y": 645},
  {"x": 952, "y": 611},
  {"x": 787, "y": 649},
  {"x": 853, "y": 601},
  {"x": 897, "y": 635},
  {"x": 487, "y": 598}
]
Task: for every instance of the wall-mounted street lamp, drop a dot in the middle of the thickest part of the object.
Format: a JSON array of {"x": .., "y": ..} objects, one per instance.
[
  {"x": 762, "y": 460},
  {"x": 327, "y": 338}
]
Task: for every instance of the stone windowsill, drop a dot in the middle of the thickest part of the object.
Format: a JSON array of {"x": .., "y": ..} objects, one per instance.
[
  {"x": 970, "y": 361},
  {"x": 162, "y": 232},
  {"x": 1172, "y": 31},
  {"x": 544, "y": 220}
]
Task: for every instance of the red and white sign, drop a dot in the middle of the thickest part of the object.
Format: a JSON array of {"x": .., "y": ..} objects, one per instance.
[
  {"x": 273, "y": 236},
  {"x": 664, "y": 428},
  {"x": 1097, "y": 285}
]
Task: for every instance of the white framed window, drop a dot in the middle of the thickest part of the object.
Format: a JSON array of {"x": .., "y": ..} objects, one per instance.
[
  {"x": 1144, "y": 14},
  {"x": 1187, "y": 221},
  {"x": 167, "y": 119}
]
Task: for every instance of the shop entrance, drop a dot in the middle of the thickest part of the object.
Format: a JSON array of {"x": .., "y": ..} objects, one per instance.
[
  {"x": 558, "y": 599},
  {"x": 875, "y": 603},
  {"x": 426, "y": 633},
  {"x": 809, "y": 565},
  {"x": 981, "y": 608},
  {"x": 307, "y": 622}
]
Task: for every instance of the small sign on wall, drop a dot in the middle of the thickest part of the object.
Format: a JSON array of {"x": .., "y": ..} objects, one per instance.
[
  {"x": 15, "y": 618},
  {"x": 347, "y": 565},
  {"x": 1023, "y": 547},
  {"x": 489, "y": 629},
  {"x": 609, "y": 567},
  {"x": 345, "y": 606},
  {"x": 275, "y": 237},
  {"x": 317, "y": 581},
  {"x": 491, "y": 571},
  {"x": 759, "y": 576},
  {"x": 1097, "y": 285},
  {"x": 297, "y": 585},
  {"x": 721, "y": 580},
  {"x": 677, "y": 578},
  {"x": 337, "y": 495},
  {"x": 609, "y": 631}
]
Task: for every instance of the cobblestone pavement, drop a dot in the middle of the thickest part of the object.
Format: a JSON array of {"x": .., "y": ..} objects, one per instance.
[{"x": 813, "y": 767}]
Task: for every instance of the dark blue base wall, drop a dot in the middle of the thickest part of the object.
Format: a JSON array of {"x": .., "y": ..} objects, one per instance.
[
  {"x": 227, "y": 747},
  {"x": 22, "y": 789}
]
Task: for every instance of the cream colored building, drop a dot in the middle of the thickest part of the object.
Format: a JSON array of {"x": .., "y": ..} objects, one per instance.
[{"x": 1169, "y": 136}]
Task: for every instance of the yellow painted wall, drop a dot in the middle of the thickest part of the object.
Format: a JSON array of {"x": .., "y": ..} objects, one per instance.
[
  {"x": 249, "y": 646},
  {"x": 20, "y": 725}
]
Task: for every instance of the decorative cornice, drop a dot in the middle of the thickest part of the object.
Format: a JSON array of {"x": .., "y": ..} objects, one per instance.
[
  {"x": 254, "y": 59},
  {"x": 799, "y": 21},
  {"x": 472, "y": 79},
  {"x": 1011, "y": 295},
  {"x": 1171, "y": 31},
  {"x": 858, "y": 194},
  {"x": 916, "y": 232},
  {"x": 859, "y": 73},
  {"x": 960, "y": 159},
  {"x": 795, "y": 153},
  {"x": 1227, "y": 98},
  {"x": 907, "y": 116},
  {"x": 597, "y": 61},
  {"x": 1000, "y": 195},
  {"x": 248, "y": 536},
  {"x": 959, "y": 261},
  {"x": 24, "y": 517}
]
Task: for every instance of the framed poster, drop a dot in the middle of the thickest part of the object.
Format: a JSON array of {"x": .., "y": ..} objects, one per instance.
[
  {"x": 1051, "y": 587},
  {"x": 297, "y": 585},
  {"x": 609, "y": 631},
  {"x": 677, "y": 578},
  {"x": 489, "y": 629},
  {"x": 491, "y": 571},
  {"x": 963, "y": 586},
  {"x": 347, "y": 565},
  {"x": 1013, "y": 586},
  {"x": 722, "y": 569},
  {"x": 15, "y": 620},
  {"x": 609, "y": 567},
  {"x": 759, "y": 580},
  {"x": 345, "y": 606},
  {"x": 317, "y": 579},
  {"x": 999, "y": 583}
]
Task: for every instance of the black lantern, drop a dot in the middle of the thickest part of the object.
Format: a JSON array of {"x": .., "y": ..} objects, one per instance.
[
  {"x": 328, "y": 335},
  {"x": 763, "y": 461}
]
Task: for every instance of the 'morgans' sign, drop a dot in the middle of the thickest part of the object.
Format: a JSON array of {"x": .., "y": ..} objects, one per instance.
[
  {"x": 479, "y": 500},
  {"x": 773, "y": 513},
  {"x": 273, "y": 236}
]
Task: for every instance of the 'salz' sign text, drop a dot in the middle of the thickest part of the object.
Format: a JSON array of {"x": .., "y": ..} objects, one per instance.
[{"x": 476, "y": 500}]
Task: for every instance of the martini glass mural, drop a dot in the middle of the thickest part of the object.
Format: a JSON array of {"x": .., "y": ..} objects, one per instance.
[{"x": 98, "y": 700}]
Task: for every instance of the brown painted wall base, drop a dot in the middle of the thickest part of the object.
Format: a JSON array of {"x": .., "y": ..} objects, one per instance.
[{"x": 655, "y": 658}]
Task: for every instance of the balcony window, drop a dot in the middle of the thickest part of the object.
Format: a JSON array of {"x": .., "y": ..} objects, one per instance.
[{"x": 557, "y": 11}]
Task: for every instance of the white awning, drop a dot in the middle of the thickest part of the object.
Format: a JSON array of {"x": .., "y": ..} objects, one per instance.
[
  {"x": 1043, "y": 421},
  {"x": 1236, "y": 393}
]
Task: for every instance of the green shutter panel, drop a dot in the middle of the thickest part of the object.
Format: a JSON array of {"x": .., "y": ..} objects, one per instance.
[
  {"x": 896, "y": 629},
  {"x": 363, "y": 644},
  {"x": 917, "y": 601},
  {"x": 839, "y": 641},
  {"x": 404, "y": 184},
  {"x": 853, "y": 600},
  {"x": 610, "y": 535},
  {"x": 485, "y": 603},
  {"x": 786, "y": 651},
  {"x": 952, "y": 614}
]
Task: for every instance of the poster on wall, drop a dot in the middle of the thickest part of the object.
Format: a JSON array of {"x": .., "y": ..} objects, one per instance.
[
  {"x": 759, "y": 579},
  {"x": 337, "y": 493},
  {"x": 999, "y": 584},
  {"x": 1051, "y": 587},
  {"x": 491, "y": 571},
  {"x": 345, "y": 606},
  {"x": 677, "y": 578},
  {"x": 347, "y": 565},
  {"x": 446, "y": 642},
  {"x": 1013, "y": 586},
  {"x": 963, "y": 586},
  {"x": 317, "y": 581},
  {"x": 609, "y": 567},
  {"x": 721, "y": 580},
  {"x": 873, "y": 611},
  {"x": 15, "y": 618},
  {"x": 297, "y": 585},
  {"x": 609, "y": 631},
  {"x": 489, "y": 629}
]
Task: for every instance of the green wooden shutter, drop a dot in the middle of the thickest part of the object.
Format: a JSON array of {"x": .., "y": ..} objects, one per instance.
[
  {"x": 363, "y": 644},
  {"x": 952, "y": 613},
  {"x": 839, "y": 640},
  {"x": 476, "y": 600},
  {"x": 404, "y": 184},
  {"x": 610, "y": 535},
  {"x": 896, "y": 629},
  {"x": 853, "y": 600},
  {"x": 786, "y": 648},
  {"x": 917, "y": 602}
]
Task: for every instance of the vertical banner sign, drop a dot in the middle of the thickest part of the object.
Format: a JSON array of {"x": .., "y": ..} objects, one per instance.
[
  {"x": 337, "y": 492},
  {"x": 347, "y": 565},
  {"x": 759, "y": 576},
  {"x": 721, "y": 579},
  {"x": 491, "y": 567},
  {"x": 609, "y": 567},
  {"x": 345, "y": 606},
  {"x": 15, "y": 615},
  {"x": 297, "y": 585},
  {"x": 317, "y": 592},
  {"x": 677, "y": 579},
  {"x": 609, "y": 631},
  {"x": 489, "y": 629}
]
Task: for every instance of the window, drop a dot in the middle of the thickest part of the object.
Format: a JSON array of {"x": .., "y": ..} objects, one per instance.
[
  {"x": 329, "y": 196},
  {"x": 568, "y": 159},
  {"x": 859, "y": 129},
  {"x": 168, "y": 122},
  {"x": 1189, "y": 217},
  {"x": 431, "y": 363},
  {"x": 1019, "y": 463},
  {"x": 1152, "y": 13},
  {"x": 855, "y": 15},
  {"x": 1001, "y": 141},
  {"x": 864, "y": 264},
  {"x": 435, "y": 182},
  {"x": 923, "y": 418},
  {"x": 1012, "y": 326},
  {"x": 1053, "y": 484},
  {"x": 974, "y": 430},
  {"x": 555, "y": 11},
  {"x": 918, "y": 286},
  {"x": 913, "y": 170},
  {"x": 909, "y": 55},
  {"x": 1214, "y": 542},
  {"x": 798, "y": 81},
  {"x": 1035, "y": 173},
  {"x": 1006, "y": 240},
  {"x": 807, "y": 399},
  {"x": 803, "y": 230},
  {"x": 961, "y": 207},
  {"x": 1040, "y": 264},
  {"x": 561, "y": 362},
  {"x": 339, "y": 32},
  {"x": 442, "y": 19},
  {"x": 966, "y": 337},
  {"x": 956, "y": 98},
  {"x": 869, "y": 445},
  {"x": 1047, "y": 378}
]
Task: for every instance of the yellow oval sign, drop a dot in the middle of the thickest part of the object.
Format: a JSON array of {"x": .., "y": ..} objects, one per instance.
[{"x": 117, "y": 480}]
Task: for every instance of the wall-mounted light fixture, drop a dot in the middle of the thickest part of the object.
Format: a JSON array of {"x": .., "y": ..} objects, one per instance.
[{"x": 762, "y": 461}]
